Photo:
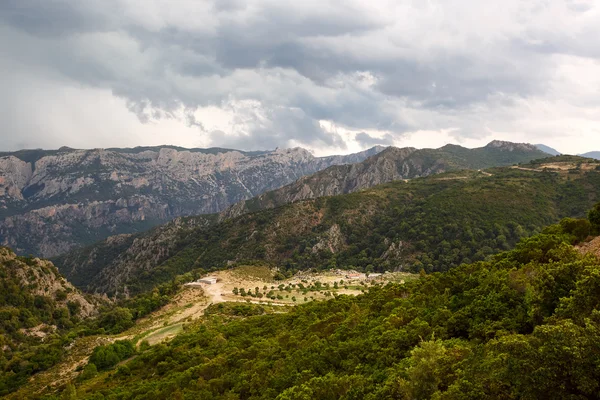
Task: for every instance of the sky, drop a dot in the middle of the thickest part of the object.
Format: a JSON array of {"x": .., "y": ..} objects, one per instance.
[{"x": 329, "y": 76}]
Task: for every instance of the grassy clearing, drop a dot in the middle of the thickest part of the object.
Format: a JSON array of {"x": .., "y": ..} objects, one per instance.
[
  {"x": 162, "y": 334},
  {"x": 253, "y": 272}
]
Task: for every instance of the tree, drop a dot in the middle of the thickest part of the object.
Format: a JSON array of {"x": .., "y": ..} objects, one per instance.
[
  {"x": 594, "y": 217},
  {"x": 579, "y": 228},
  {"x": 69, "y": 393},
  {"x": 89, "y": 372}
]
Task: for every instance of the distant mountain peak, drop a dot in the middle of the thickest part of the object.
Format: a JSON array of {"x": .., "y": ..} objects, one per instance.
[
  {"x": 592, "y": 154},
  {"x": 548, "y": 149},
  {"x": 511, "y": 146}
]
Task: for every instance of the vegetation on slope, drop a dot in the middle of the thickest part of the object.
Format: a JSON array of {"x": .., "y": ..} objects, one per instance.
[
  {"x": 37, "y": 310},
  {"x": 524, "y": 324},
  {"x": 41, "y": 314}
]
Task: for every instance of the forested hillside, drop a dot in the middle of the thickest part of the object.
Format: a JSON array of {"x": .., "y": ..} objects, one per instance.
[
  {"x": 433, "y": 223},
  {"x": 37, "y": 308},
  {"x": 42, "y": 315},
  {"x": 524, "y": 324}
]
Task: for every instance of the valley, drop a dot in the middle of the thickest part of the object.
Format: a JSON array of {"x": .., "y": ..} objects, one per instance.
[
  {"x": 459, "y": 326},
  {"x": 299, "y": 200},
  {"x": 195, "y": 302}
]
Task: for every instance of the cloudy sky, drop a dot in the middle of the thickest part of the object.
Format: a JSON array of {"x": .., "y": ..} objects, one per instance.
[{"x": 331, "y": 76}]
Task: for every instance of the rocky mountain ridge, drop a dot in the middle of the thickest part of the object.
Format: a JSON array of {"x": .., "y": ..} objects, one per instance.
[
  {"x": 389, "y": 165},
  {"x": 52, "y": 201},
  {"x": 114, "y": 261}
]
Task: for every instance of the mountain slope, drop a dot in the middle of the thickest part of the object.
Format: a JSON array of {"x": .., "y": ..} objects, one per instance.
[
  {"x": 52, "y": 201},
  {"x": 548, "y": 149},
  {"x": 592, "y": 154},
  {"x": 433, "y": 223},
  {"x": 390, "y": 165},
  {"x": 36, "y": 305},
  {"x": 523, "y": 325}
]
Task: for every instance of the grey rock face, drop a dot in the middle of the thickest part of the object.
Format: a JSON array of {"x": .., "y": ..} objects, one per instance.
[{"x": 52, "y": 201}]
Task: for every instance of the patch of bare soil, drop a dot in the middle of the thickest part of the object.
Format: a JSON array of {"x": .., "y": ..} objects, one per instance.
[
  {"x": 40, "y": 331},
  {"x": 591, "y": 247}
]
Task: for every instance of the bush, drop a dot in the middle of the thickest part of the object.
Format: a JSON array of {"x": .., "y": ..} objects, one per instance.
[
  {"x": 106, "y": 357},
  {"x": 594, "y": 217}
]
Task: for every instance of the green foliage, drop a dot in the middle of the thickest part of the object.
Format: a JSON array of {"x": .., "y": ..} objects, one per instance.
[
  {"x": 594, "y": 217},
  {"x": 524, "y": 324},
  {"x": 22, "y": 310},
  {"x": 116, "y": 320},
  {"x": 106, "y": 357},
  {"x": 89, "y": 371}
]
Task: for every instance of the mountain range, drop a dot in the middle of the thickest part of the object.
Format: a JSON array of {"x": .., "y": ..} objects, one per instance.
[
  {"x": 453, "y": 211},
  {"x": 53, "y": 201},
  {"x": 386, "y": 227}
]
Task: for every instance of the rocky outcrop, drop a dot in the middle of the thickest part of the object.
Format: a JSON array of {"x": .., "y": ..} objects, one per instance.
[
  {"x": 15, "y": 174},
  {"x": 332, "y": 241},
  {"x": 41, "y": 278},
  {"x": 510, "y": 146},
  {"x": 52, "y": 201}
]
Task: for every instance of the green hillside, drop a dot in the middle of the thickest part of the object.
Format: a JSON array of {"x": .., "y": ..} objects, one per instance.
[
  {"x": 38, "y": 308},
  {"x": 523, "y": 325},
  {"x": 434, "y": 223}
]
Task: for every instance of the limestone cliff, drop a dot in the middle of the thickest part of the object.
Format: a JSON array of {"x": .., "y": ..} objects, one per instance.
[{"x": 53, "y": 201}]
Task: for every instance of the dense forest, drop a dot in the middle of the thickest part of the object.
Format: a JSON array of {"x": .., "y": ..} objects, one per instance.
[
  {"x": 523, "y": 324},
  {"x": 434, "y": 223}
]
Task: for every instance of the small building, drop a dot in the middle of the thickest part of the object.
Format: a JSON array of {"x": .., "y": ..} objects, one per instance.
[
  {"x": 210, "y": 280},
  {"x": 374, "y": 276}
]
